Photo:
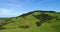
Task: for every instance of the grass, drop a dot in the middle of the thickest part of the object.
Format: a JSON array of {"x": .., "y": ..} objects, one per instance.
[{"x": 48, "y": 26}]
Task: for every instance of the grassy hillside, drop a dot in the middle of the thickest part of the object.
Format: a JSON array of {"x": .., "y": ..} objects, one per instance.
[{"x": 35, "y": 21}]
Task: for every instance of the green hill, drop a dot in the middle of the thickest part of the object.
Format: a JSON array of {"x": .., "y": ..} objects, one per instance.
[{"x": 35, "y": 21}]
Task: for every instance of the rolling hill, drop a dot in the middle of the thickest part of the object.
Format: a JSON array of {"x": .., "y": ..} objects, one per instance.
[{"x": 34, "y": 21}]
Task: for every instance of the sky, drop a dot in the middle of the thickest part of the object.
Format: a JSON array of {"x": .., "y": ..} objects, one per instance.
[{"x": 13, "y": 8}]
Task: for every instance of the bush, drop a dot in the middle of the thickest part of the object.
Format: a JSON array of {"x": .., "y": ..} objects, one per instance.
[
  {"x": 49, "y": 22},
  {"x": 24, "y": 26},
  {"x": 38, "y": 24},
  {"x": 1, "y": 28},
  {"x": 57, "y": 18}
]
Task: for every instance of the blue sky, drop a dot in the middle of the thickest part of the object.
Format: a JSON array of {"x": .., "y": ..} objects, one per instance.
[{"x": 12, "y": 8}]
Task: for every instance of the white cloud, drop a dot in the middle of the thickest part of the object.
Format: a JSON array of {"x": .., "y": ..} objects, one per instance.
[{"x": 7, "y": 13}]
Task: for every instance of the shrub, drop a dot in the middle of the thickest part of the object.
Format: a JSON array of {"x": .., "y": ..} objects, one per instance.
[
  {"x": 57, "y": 18},
  {"x": 38, "y": 24},
  {"x": 24, "y": 26},
  {"x": 1, "y": 28}
]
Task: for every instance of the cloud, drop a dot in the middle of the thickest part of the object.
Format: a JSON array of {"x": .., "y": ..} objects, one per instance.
[
  {"x": 13, "y": 5},
  {"x": 10, "y": 7},
  {"x": 8, "y": 13},
  {"x": 5, "y": 11}
]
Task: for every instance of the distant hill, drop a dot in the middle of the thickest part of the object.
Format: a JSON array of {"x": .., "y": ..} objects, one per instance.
[{"x": 34, "y": 21}]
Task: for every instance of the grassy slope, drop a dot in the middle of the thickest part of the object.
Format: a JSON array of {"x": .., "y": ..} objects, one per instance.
[{"x": 30, "y": 20}]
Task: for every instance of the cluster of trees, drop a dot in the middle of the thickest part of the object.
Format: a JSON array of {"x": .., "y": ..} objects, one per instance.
[
  {"x": 23, "y": 15},
  {"x": 43, "y": 18},
  {"x": 35, "y": 11},
  {"x": 1, "y": 25},
  {"x": 4, "y": 22},
  {"x": 44, "y": 11}
]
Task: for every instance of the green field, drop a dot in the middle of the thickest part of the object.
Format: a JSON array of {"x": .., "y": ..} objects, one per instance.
[{"x": 35, "y": 21}]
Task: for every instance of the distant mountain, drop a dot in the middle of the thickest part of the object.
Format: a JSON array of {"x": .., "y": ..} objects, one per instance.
[{"x": 34, "y": 21}]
